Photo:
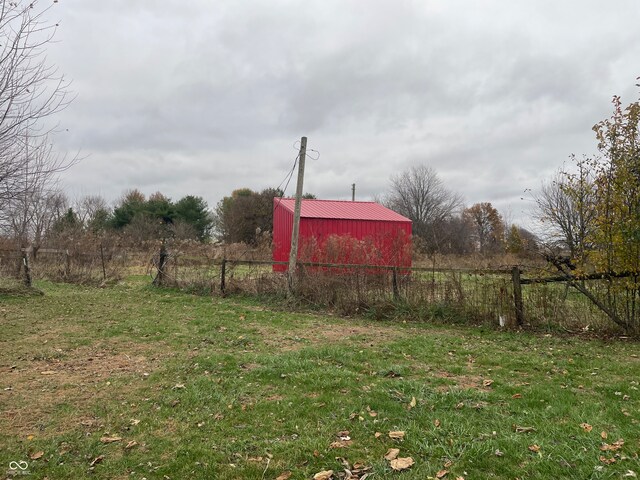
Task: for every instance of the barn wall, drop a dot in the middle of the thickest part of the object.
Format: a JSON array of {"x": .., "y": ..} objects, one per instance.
[
  {"x": 374, "y": 242},
  {"x": 282, "y": 227},
  {"x": 380, "y": 242}
]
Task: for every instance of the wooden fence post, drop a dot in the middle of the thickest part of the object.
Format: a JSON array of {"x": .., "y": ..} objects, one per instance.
[
  {"x": 27, "y": 267},
  {"x": 517, "y": 295},
  {"x": 104, "y": 269},
  {"x": 162, "y": 262},
  {"x": 223, "y": 271},
  {"x": 394, "y": 282}
]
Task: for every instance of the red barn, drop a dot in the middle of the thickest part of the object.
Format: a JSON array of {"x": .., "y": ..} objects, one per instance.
[{"x": 335, "y": 231}]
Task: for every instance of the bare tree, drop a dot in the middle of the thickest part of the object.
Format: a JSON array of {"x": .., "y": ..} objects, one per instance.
[
  {"x": 30, "y": 91},
  {"x": 565, "y": 206},
  {"x": 89, "y": 207},
  {"x": 26, "y": 209},
  {"x": 420, "y": 195}
]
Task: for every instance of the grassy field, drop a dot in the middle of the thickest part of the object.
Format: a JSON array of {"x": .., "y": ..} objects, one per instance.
[{"x": 134, "y": 382}]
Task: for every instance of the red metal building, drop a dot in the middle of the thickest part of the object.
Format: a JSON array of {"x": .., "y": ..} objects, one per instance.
[{"x": 335, "y": 231}]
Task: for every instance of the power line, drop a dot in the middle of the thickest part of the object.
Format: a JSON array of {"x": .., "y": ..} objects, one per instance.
[{"x": 313, "y": 158}]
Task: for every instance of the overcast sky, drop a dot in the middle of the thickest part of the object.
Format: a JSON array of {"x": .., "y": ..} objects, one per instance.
[{"x": 203, "y": 97}]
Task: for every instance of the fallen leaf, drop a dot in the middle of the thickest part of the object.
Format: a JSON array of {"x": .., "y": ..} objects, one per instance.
[
  {"x": 324, "y": 475},
  {"x": 516, "y": 395},
  {"x": 316, "y": 453},
  {"x": 437, "y": 423},
  {"x": 110, "y": 439},
  {"x": 48, "y": 372},
  {"x": 397, "y": 435},
  {"x": 603, "y": 435},
  {"x": 284, "y": 476},
  {"x": 498, "y": 453},
  {"x": 373, "y": 413},
  {"x": 134, "y": 421},
  {"x": 448, "y": 464},
  {"x": 400, "y": 464},
  {"x": 630, "y": 474},
  {"x": 487, "y": 383},
  {"x": 392, "y": 454},
  {"x": 612, "y": 447},
  {"x": 608, "y": 461},
  {"x": 442, "y": 473},
  {"x": 130, "y": 445},
  {"x": 534, "y": 448},
  {"x": 459, "y": 405},
  {"x": 37, "y": 455},
  {"x": 341, "y": 444},
  {"x": 377, "y": 434},
  {"x": 459, "y": 478},
  {"x": 412, "y": 403},
  {"x": 586, "y": 427},
  {"x": 179, "y": 386},
  {"x": 96, "y": 460}
]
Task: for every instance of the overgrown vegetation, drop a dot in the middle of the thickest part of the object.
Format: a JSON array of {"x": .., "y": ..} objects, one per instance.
[
  {"x": 601, "y": 218},
  {"x": 133, "y": 382}
]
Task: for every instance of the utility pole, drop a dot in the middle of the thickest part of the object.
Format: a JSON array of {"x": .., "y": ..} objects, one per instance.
[
  {"x": 353, "y": 192},
  {"x": 293, "y": 253}
]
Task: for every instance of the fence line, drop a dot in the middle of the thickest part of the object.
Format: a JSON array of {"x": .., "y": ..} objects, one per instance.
[
  {"x": 490, "y": 295},
  {"x": 25, "y": 264}
]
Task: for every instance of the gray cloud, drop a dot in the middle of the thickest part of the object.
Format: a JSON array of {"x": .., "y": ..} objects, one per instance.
[{"x": 205, "y": 97}]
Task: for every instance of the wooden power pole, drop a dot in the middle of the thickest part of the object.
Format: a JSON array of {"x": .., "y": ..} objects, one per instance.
[
  {"x": 293, "y": 253},
  {"x": 353, "y": 192}
]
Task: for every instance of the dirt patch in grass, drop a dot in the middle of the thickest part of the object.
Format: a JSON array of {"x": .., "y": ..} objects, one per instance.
[
  {"x": 464, "y": 382},
  {"x": 58, "y": 393},
  {"x": 275, "y": 398},
  {"x": 326, "y": 334}
]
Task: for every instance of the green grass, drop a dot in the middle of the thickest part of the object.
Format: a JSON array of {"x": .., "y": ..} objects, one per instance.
[{"x": 232, "y": 389}]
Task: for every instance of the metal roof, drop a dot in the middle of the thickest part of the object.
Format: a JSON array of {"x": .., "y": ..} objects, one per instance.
[{"x": 342, "y": 209}]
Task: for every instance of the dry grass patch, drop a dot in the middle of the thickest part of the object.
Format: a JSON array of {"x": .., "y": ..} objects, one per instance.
[
  {"x": 76, "y": 379},
  {"x": 464, "y": 382},
  {"x": 317, "y": 333}
]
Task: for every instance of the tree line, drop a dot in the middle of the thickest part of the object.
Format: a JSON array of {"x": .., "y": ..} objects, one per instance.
[
  {"x": 53, "y": 219},
  {"x": 442, "y": 224}
]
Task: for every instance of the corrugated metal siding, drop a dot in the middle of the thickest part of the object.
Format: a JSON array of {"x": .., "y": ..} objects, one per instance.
[
  {"x": 383, "y": 242},
  {"x": 282, "y": 227},
  {"x": 342, "y": 209},
  {"x": 390, "y": 241}
]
